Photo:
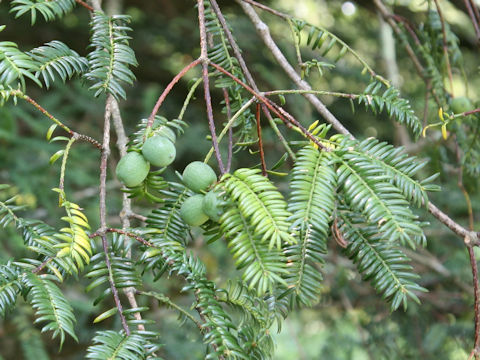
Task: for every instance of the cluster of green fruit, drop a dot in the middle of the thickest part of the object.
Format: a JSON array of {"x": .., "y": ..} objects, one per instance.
[
  {"x": 199, "y": 208},
  {"x": 461, "y": 104},
  {"x": 158, "y": 150}
]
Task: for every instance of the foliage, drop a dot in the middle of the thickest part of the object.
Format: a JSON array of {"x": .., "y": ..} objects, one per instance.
[
  {"x": 311, "y": 202},
  {"x": 50, "y": 10},
  {"x": 111, "y": 56},
  {"x": 50, "y": 305},
  {"x": 55, "y": 58},
  {"x": 15, "y": 65},
  {"x": 297, "y": 235},
  {"x": 112, "y": 345}
]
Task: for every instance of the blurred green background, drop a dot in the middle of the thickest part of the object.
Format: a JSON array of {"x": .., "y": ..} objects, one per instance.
[{"x": 351, "y": 321}]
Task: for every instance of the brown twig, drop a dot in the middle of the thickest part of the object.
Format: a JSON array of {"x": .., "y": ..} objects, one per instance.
[
  {"x": 264, "y": 32},
  {"x": 260, "y": 141},
  {"x": 45, "y": 112},
  {"x": 388, "y": 17},
  {"x": 206, "y": 83},
  {"x": 468, "y": 5},
  {"x": 471, "y": 253},
  {"x": 408, "y": 26},
  {"x": 451, "y": 224},
  {"x": 42, "y": 265},
  {"x": 475, "y": 10},
  {"x": 122, "y": 141},
  {"x": 267, "y": 9},
  {"x": 288, "y": 119},
  {"x": 445, "y": 45},
  {"x": 103, "y": 209},
  {"x": 476, "y": 292},
  {"x": 167, "y": 90},
  {"x": 466, "y": 113},
  {"x": 130, "y": 235},
  {"x": 238, "y": 55},
  {"x": 84, "y": 4},
  {"x": 230, "y": 130}
]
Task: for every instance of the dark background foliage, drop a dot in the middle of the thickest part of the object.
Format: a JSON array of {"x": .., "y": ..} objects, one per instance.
[{"x": 351, "y": 321}]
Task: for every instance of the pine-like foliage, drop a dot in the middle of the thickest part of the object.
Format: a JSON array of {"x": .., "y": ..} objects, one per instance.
[
  {"x": 75, "y": 242},
  {"x": 380, "y": 262},
  {"x": 218, "y": 328},
  {"x": 257, "y": 318},
  {"x": 57, "y": 59},
  {"x": 166, "y": 219},
  {"x": 263, "y": 267},
  {"x": 394, "y": 162},
  {"x": 122, "y": 272},
  {"x": 262, "y": 204},
  {"x": 311, "y": 202},
  {"x": 111, "y": 57},
  {"x": 113, "y": 345},
  {"x": 16, "y": 65},
  {"x": 38, "y": 237},
  {"x": 368, "y": 190},
  {"x": 10, "y": 287},
  {"x": 396, "y": 107},
  {"x": 50, "y": 305},
  {"x": 49, "y": 9}
]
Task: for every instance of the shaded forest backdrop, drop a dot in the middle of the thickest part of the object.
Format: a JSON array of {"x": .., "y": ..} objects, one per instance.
[{"x": 351, "y": 321}]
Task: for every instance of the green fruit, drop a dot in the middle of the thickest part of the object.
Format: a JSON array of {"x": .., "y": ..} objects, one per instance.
[
  {"x": 191, "y": 211},
  {"x": 167, "y": 132},
  {"x": 159, "y": 150},
  {"x": 198, "y": 176},
  {"x": 461, "y": 104},
  {"x": 213, "y": 206},
  {"x": 132, "y": 169}
]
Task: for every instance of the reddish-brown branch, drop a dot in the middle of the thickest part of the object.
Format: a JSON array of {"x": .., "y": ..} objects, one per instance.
[
  {"x": 88, "y": 139},
  {"x": 131, "y": 235},
  {"x": 473, "y": 18},
  {"x": 408, "y": 26},
  {"x": 466, "y": 113},
  {"x": 230, "y": 130},
  {"x": 475, "y": 10},
  {"x": 56, "y": 121},
  {"x": 387, "y": 16},
  {"x": 42, "y": 265},
  {"x": 267, "y": 9},
  {"x": 260, "y": 141},
  {"x": 116, "y": 297},
  {"x": 167, "y": 90},
  {"x": 85, "y": 5},
  {"x": 238, "y": 55},
  {"x": 445, "y": 45},
  {"x": 276, "y": 109},
  {"x": 473, "y": 264},
  {"x": 46, "y": 113},
  {"x": 211, "y": 122},
  {"x": 471, "y": 253},
  {"x": 206, "y": 83},
  {"x": 103, "y": 209}
]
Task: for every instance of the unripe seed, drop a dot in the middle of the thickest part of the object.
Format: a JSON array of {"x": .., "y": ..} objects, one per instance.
[
  {"x": 213, "y": 206},
  {"x": 191, "y": 211},
  {"x": 159, "y": 150},
  {"x": 198, "y": 176},
  {"x": 132, "y": 169},
  {"x": 167, "y": 132},
  {"x": 461, "y": 104}
]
